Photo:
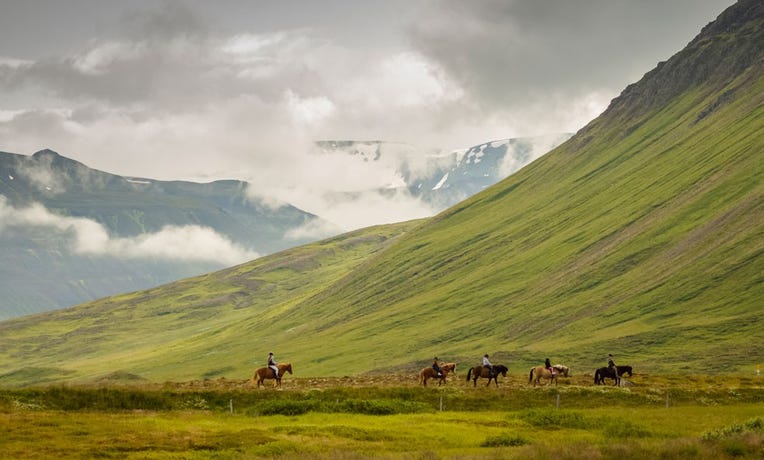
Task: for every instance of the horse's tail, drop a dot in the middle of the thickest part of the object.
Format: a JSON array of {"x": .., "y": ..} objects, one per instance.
[
  {"x": 469, "y": 373},
  {"x": 421, "y": 376},
  {"x": 597, "y": 376},
  {"x": 530, "y": 376}
]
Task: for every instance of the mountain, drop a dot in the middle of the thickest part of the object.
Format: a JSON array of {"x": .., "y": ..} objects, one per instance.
[
  {"x": 70, "y": 233},
  {"x": 443, "y": 179},
  {"x": 44, "y": 269},
  {"x": 641, "y": 236}
]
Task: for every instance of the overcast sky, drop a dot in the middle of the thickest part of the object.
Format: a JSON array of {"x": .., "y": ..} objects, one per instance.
[{"x": 203, "y": 90}]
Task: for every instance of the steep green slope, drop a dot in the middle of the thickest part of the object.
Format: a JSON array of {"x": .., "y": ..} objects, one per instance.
[{"x": 642, "y": 236}]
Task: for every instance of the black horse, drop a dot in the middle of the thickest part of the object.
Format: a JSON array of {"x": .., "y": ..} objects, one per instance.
[
  {"x": 623, "y": 370},
  {"x": 480, "y": 371},
  {"x": 606, "y": 372}
]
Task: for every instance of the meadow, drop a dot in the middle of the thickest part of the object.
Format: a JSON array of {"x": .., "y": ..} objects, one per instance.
[{"x": 389, "y": 416}]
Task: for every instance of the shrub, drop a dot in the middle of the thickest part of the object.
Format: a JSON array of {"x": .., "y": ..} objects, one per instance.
[
  {"x": 619, "y": 428},
  {"x": 754, "y": 424},
  {"x": 382, "y": 406},
  {"x": 281, "y": 407},
  {"x": 558, "y": 419},
  {"x": 502, "y": 440}
]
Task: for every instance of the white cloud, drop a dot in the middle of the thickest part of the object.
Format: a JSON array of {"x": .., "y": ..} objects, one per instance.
[
  {"x": 309, "y": 111},
  {"x": 190, "y": 242},
  {"x": 315, "y": 230},
  {"x": 99, "y": 59}
]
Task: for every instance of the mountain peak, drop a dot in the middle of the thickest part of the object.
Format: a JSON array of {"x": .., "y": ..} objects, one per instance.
[
  {"x": 723, "y": 50},
  {"x": 45, "y": 152}
]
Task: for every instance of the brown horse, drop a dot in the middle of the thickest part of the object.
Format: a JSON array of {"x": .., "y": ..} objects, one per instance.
[
  {"x": 267, "y": 373},
  {"x": 482, "y": 371},
  {"x": 542, "y": 372},
  {"x": 429, "y": 373}
]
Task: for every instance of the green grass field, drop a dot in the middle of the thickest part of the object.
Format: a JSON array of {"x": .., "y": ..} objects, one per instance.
[{"x": 670, "y": 417}]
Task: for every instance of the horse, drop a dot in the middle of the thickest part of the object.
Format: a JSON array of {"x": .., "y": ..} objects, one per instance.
[
  {"x": 623, "y": 370},
  {"x": 429, "y": 373},
  {"x": 267, "y": 373},
  {"x": 482, "y": 371},
  {"x": 542, "y": 372},
  {"x": 606, "y": 372}
]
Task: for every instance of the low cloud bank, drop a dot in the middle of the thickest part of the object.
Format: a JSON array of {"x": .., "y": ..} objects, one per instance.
[{"x": 88, "y": 237}]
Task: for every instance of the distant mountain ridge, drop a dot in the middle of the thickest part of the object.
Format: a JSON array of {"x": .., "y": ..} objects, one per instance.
[
  {"x": 442, "y": 179},
  {"x": 42, "y": 269}
]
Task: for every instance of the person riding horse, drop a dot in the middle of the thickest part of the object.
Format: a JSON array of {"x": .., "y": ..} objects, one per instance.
[
  {"x": 436, "y": 366},
  {"x": 488, "y": 364},
  {"x": 611, "y": 363},
  {"x": 273, "y": 365},
  {"x": 549, "y": 366}
]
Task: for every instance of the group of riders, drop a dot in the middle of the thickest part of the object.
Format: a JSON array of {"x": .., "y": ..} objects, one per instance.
[
  {"x": 487, "y": 364},
  {"x": 273, "y": 365}
]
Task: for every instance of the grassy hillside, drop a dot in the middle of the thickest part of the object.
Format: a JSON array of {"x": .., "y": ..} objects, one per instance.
[
  {"x": 208, "y": 326},
  {"x": 642, "y": 236}
]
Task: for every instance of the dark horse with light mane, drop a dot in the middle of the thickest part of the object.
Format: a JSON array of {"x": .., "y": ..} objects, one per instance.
[
  {"x": 267, "y": 373},
  {"x": 481, "y": 371},
  {"x": 429, "y": 373}
]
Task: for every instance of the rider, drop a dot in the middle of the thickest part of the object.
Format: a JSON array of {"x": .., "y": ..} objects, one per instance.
[
  {"x": 436, "y": 366},
  {"x": 488, "y": 364},
  {"x": 610, "y": 362},
  {"x": 273, "y": 365},
  {"x": 549, "y": 366}
]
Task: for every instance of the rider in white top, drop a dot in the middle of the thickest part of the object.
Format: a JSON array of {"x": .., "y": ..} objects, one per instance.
[{"x": 487, "y": 364}]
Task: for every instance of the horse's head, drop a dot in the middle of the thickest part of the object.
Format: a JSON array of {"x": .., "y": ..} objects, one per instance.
[
  {"x": 564, "y": 370},
  {"x": 503, "y": 369},
  {"x": 288, "y": 367},
  {"x": 449, "y": 367}
]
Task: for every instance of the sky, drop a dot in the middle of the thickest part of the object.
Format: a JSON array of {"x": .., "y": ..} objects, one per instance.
[{"x": 202, "y": 90}]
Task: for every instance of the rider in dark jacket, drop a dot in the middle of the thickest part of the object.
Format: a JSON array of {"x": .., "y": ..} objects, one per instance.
[
  {"x": 436, "y": 366},
  {"x": 549, "y": 366}
]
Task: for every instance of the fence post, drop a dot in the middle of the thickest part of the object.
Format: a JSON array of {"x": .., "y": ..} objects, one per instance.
[
  {"x": 230, "y": 403},
  {"x": 557, "y": 404},
  {"x": 441, "y": 403},
  {"x": 667, "y": 400}
]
